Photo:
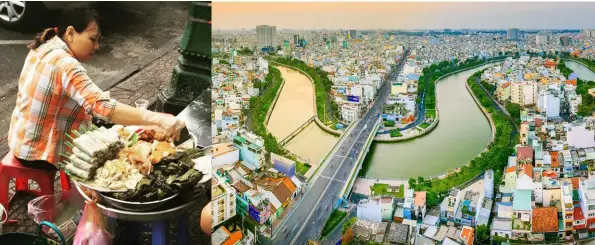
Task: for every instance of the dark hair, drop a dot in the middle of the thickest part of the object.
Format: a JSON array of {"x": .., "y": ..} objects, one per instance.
[{"x": 78, "y": 15}]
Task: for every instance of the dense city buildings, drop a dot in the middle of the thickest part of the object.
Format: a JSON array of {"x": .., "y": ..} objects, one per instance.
[{"x": 539, "y": 194}]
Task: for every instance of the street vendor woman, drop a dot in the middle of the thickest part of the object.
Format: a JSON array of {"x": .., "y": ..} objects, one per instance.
[{"x": 55, "y": 95}]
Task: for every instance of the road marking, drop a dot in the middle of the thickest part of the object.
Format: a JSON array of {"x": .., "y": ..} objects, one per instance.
[
  {"x": 340, "y": 181},
  {"x": 322, "y": 196},
  {"x": 12, "y": 42}
]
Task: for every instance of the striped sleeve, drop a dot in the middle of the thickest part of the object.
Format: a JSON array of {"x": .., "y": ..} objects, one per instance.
[{"x": 81, "y": 89}]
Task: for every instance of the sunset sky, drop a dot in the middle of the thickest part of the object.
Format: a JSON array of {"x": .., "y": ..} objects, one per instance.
[{"x": 403, "y": 15}]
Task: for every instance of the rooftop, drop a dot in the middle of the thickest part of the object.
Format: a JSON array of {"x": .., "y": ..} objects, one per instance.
[
  {"x": 502, "y": 225},
  {"x": 467, "y": 235},
  {"x": 398, "y": 233},
  {"x": 524, "y": 152},
  {"x": 420, "y": 198},
  {"x": 545, "y": 219},
  {"x": 522, "y": 200}
]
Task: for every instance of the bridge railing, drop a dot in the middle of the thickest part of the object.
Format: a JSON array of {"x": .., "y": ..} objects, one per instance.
[
  {"x": 359, "y": 161},
  {"x": 297, "y": 131}
]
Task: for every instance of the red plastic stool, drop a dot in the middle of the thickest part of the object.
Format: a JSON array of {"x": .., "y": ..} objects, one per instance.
[{"x": 10, "y": 168}]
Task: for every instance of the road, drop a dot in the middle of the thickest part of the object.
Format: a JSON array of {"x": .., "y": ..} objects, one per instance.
[
  {"x": 515, "y": 129},
  {"x": 336, "y": 234},
  {"x": 308, "y": 218},
  {"x": 130, "y": 30},
  {"x": 421, "y": 109}
]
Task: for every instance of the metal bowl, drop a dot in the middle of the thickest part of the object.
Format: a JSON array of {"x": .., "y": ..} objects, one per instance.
[{"x": 136, "y": 206}]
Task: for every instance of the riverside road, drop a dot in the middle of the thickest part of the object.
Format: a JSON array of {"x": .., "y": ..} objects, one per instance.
[{"x": 310, "y": 215}]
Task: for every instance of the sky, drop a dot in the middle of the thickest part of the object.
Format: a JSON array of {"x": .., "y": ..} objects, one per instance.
[{"x": 404, "y": 15}]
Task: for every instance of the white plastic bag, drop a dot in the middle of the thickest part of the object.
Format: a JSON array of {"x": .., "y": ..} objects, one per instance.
[
  {"x": 3, "y": 213},
  {"x": 59, "y": 209}
]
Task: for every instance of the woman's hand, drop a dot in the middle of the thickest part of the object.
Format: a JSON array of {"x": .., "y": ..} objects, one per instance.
[{"x": 172, "y": 125}]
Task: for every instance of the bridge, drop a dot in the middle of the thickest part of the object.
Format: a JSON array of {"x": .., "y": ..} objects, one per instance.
[
  {"x": 332, "y": 184},
  {"x": 297, "y": 131}
]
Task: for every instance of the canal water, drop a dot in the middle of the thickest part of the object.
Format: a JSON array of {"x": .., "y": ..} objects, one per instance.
[
  {"x": 294, "y": 107},
  {"x": 463, "y": 132},
  {"x": 582, "y": 71}
]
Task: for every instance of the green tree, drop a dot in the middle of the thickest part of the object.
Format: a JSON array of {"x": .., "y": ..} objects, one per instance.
[
  {"x": 246, "y": 51},
  {"x": 412, "y": 183},
  {"x": 482, "y": 233},
  {"x": 348, "y": 224},
  {"x": 421, "y": 181}
]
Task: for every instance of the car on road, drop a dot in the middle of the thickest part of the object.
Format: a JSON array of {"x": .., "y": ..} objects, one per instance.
[{"x": 27, "y": 15}]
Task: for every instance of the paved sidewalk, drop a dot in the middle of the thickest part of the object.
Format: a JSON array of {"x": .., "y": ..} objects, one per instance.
[{"x": 139, "y": 82}]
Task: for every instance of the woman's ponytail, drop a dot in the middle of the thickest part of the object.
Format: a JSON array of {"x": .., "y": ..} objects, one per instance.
[{"x": 43, "y": 37}]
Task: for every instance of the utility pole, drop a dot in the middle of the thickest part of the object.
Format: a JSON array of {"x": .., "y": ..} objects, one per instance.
[{"x": 192, "y": 74}]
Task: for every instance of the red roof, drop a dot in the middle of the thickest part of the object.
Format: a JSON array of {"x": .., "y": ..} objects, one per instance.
[
  {"x": 235, "y": 237},
  {"x": 290, "y": 185},
  {"x": 528, "y": 169},
  {"x": 545, "y": 219},
  {"x": 467, "y": 235},
  {"x": 575, "y": 181},
  {"x": 510, "y": 169},
  {"x": 554, "y": 155},
  {"x": 506, "y": 85},
  {"x": 538, "y": 122},
  {"x": 578, "y": 215},
  {"x": 550, "y": 173},
  {"x": 524, "y": 152}
]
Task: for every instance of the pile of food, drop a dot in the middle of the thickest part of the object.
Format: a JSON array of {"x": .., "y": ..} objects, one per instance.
[
  {"x": 91, "y": 149},
  {"x": 173, "y": 174},
  {"x": 131, "y": 166}
]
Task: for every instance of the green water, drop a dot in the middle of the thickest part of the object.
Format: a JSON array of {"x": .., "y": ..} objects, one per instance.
[{"x": 463, "y": 132}]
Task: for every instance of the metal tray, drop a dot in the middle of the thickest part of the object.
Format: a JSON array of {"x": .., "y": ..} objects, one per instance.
[{"x": 136, "y": 206}]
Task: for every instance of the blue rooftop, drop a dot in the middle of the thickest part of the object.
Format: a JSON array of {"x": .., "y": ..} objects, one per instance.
[{"x": 522, "y": 200}]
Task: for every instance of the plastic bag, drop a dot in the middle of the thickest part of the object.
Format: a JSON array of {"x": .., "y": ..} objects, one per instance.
[
  {"x": 91, "y": 228},
  {"x": 59, "y": 209}
]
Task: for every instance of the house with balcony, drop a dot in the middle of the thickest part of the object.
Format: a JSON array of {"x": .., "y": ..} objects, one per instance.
[
  {"x": 580, "y": 224},
  {"x": 567, "y": 208},
  {"x": 509, "y": 180},
  {"x": 522, "y": 211},
  {"x": 408, "y": 211},
  {"x": 419, "y": 204},
  {"x": 369, "y": 209},
  {"x": 251, "y": 149},
  {"x": 524, "y": 155},
  {"x": 387, "y": 208},
  {"x": 450, "y": 204},
  {"x": 468, "y": 208},
  {"x": 524, "y": 177},
  {"x": 587, "y": 203},
  {"x": 223, "y": 200},
  {"x": 254, "y": 204}
]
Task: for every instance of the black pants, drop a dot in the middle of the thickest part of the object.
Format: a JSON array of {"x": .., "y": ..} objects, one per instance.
[{"x": 38, "y": 164}]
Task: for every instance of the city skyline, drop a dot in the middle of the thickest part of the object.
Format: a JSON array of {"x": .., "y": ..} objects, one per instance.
[{"x": 403, "y": 15}]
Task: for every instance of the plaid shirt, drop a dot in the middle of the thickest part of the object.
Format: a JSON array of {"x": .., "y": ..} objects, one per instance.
[{"x": 55, "y": 96}]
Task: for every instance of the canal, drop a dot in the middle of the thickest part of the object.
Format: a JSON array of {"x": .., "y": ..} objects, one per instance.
[
  {"x": 463, "y": 132},
  {"x": 581, "y": 71},
  {"x": 294, "y": 107}
]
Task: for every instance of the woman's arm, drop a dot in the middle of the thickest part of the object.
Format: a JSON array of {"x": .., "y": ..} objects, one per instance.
[
  {"x": 128, "y": 115},
  {"x": 80, "y": 88}
]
